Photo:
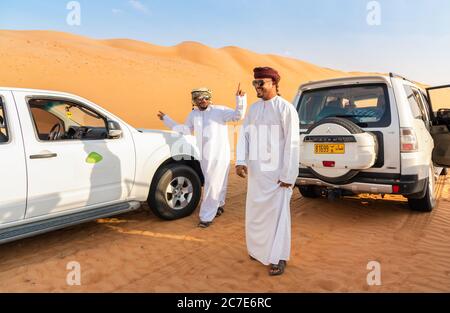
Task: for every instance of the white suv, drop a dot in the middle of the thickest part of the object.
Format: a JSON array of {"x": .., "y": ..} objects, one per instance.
[{"x": 374, "y": 134}]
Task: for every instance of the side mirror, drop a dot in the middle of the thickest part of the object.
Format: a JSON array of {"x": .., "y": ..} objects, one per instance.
[
  {"x": 443, "y": 117},
  {"x": 114, "y": 130}
]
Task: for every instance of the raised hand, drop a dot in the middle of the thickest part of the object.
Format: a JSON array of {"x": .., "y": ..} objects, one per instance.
[
  {"x": 239, "y": 91},
  {"x": 161, "y": 115}
]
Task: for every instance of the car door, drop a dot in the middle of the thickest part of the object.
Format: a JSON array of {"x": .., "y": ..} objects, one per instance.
[
  {"x": 70, "y": 171},
  {"x": 425, "y": 122},
  {"x": 13, "y": 176},
  {"x": 439, "y": 100}
]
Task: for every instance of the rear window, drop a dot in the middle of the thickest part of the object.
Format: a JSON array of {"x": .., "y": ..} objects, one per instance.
[
  {"x": 3, "y": 129},
  {"x": 365, "y": 105}
]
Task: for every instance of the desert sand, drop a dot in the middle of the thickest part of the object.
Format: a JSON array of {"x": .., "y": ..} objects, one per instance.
[{"x": 332, "y": 241}]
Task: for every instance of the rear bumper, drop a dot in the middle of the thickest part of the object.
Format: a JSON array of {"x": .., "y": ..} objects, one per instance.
[{"x": 366, "y": 182}]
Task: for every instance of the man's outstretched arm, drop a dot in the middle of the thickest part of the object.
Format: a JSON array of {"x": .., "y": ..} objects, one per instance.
[{"x": 185, "y": 129}]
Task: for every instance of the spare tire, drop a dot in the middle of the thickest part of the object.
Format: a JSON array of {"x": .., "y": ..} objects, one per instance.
[{"x": 336, "y": 150}]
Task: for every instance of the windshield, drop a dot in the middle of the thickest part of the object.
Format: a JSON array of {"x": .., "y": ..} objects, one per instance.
[{"x": 365, "y": 105}]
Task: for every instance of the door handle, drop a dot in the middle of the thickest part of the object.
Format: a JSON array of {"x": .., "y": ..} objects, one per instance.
[{"x": 43, "y": 156}]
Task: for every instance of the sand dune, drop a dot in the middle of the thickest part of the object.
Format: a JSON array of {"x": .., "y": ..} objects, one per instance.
[{"x": 135, "y": 79}]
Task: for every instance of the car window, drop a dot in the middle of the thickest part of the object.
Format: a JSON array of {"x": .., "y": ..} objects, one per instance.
[
  {"x": 414, "y": 102},
  {"x": 63, "y": 120},
  {"x": 4, "y": 137},
  {"x": 425, "y": 105},
  {"x": 80, "y": 115},
  {"x": 366, "y": 105},
  {"x": 422, "y": 106},
  {"x": 44, "y": 121}
]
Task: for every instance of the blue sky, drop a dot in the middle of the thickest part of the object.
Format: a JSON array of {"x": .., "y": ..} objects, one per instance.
[{"x": 412, "y": 39}]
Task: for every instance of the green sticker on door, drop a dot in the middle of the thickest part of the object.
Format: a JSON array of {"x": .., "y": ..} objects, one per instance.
[{"x": 94, "y": 158}]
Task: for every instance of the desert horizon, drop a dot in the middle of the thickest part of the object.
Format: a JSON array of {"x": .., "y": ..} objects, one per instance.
[{"x": 134, "y": 79}]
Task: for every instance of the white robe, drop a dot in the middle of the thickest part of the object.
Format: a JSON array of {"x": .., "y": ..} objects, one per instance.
[
  {"x": 269, "y": 147},
  {"x": 211, "y": 132}
]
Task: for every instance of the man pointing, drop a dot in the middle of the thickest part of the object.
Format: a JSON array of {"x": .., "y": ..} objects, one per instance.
[{"x": 209, "y": 123}]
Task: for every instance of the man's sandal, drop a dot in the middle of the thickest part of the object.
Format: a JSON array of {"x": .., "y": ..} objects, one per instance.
[
  {"x": 204, "y": 224},
  {"x": 220, "y": 211},
  {"x": 277, "y": 269}
]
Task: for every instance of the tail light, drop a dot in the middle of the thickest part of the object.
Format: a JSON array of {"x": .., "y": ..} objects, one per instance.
[
  {"x": 408, "y": 140},
  {"x": 395, "y": 189},
  {"x": 329, "y": 163}
]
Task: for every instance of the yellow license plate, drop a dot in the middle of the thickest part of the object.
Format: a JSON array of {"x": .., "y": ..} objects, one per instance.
[{"x": 329, "y": 149}]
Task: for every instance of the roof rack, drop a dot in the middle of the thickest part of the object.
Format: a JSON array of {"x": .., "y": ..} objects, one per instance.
[{"x": 391, "y": 74}]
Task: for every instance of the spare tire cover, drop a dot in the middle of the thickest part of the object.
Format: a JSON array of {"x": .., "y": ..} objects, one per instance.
[{"x": 336, "y": 149}]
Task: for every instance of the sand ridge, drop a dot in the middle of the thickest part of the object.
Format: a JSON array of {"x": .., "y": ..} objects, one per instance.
[{"x": 134, "y": 79}]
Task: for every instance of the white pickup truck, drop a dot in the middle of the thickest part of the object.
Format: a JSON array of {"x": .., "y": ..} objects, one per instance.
[{"x": 64, "y": 160}]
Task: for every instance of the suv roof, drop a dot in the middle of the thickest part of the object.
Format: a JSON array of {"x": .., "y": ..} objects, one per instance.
[
  {"x": 351, "y": 80},
  {"x": 343, "y": 81}
]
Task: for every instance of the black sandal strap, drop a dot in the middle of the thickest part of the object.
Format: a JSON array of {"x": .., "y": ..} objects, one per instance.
[
  {"x": 220, "y": 211},
  {"x": 204, "y": 224},
  {"x": 277, "y": 269}
]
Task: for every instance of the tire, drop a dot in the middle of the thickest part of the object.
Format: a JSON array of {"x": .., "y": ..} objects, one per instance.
[
  {"x": 428, "y": 201},
  {"x": 444, "y": 171},
  {"x": 353, "y": 129},
  {"x": 171, "y": 179},
  {"x": 309, "y": 191}
]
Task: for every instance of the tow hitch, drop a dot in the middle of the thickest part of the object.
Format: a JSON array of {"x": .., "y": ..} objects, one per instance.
[{"x": 335, "y": 193}]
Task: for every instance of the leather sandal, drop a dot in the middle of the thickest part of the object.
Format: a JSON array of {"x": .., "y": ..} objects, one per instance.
[
  {"x": 204, "y": 224},
  {"x": 277, "y": 269}
]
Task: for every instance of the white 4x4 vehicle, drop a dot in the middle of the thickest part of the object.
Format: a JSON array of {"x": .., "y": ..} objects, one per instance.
[
  {"x": 65, "y": 160},
  {"x": 375, "y": 134}
]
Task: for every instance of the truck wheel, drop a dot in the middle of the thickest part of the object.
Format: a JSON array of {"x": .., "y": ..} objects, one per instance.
[
  {"x": 427, "y": 203},
  {"x": 175, "y": 192},
  {"x": 444, "y": 171},
  {"x": 309, "y": 191}
]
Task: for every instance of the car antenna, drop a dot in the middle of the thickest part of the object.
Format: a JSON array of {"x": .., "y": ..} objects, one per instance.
[{"x": 391, "y": 74}]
